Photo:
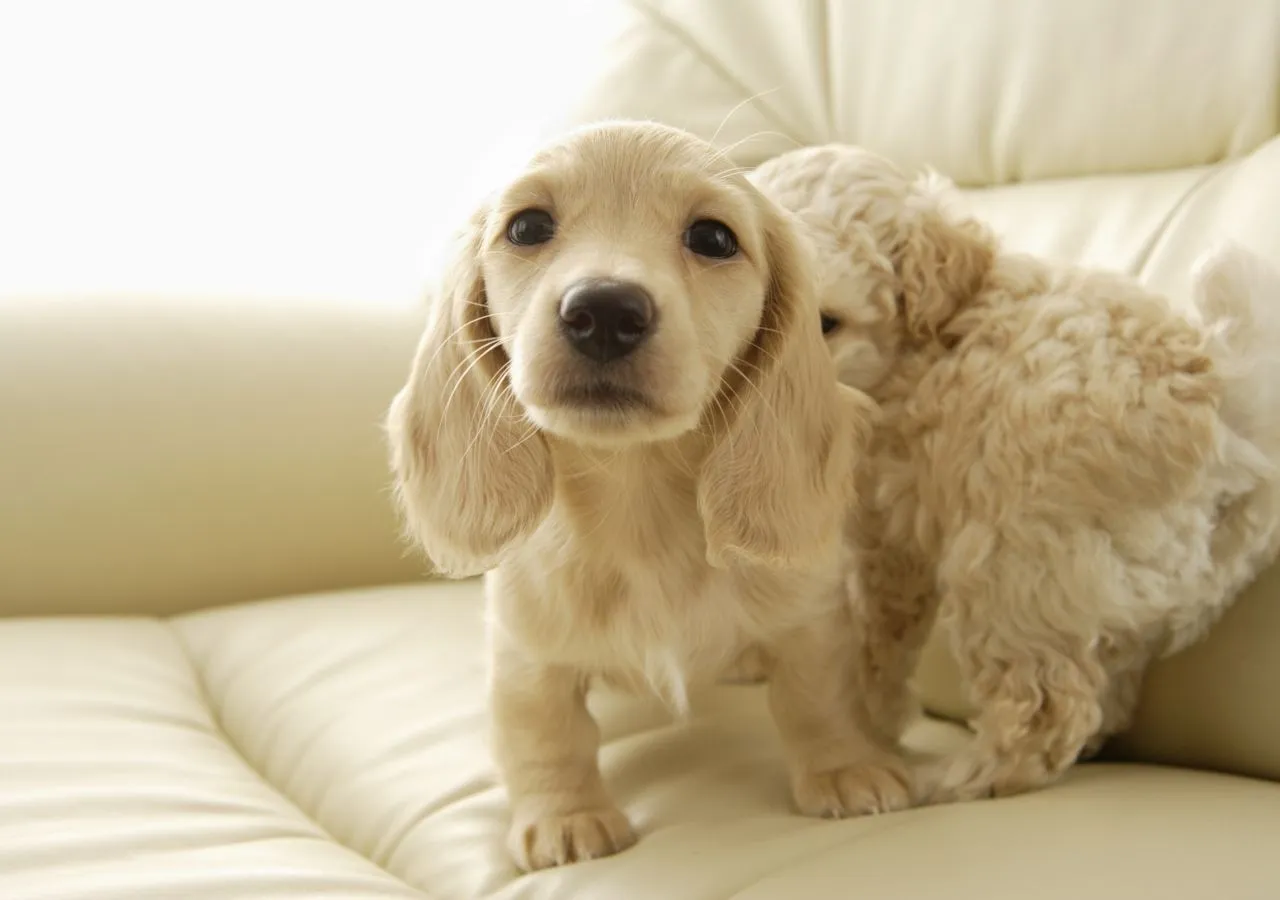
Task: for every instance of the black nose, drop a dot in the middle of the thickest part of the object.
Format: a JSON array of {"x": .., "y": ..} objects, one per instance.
[{"x": 606, "y": 319}]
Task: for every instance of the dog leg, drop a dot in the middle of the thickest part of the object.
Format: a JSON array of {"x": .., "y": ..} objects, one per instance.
[
  {"x": 837, "y": 768},
  {"x": 894, "y": 609},
  {"x": 1040, "y": 705},
  {"x": 546, "y": 745},
  {"x": 1118, "y": 704}
]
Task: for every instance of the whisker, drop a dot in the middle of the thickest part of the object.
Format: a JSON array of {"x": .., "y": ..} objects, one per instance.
[
  {"x": 730, "y": 114},
  {"x": 767, "y": 355},
  {"x": 492, "y": 397},
  {"x": 718, "y": 407},
  {"x": 741, "y": 398},
  {"x": 685, "y": 467},
  {"x": 471, "y": 360},
  {"x": 723, "y": 154},
  {"x": 726, "y": 423},
  {"x": 777, "y": 420},
  {"x": 600, "y": 466},
  {"x": 489, "y": 400},
  {"x": 483, "y": 425},
  {"x": 528, "y": 435},
  {"x": 453, "y": 334}
]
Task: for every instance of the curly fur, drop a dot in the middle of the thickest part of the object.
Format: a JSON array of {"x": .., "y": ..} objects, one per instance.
[{"x": 1071, "y": 476}]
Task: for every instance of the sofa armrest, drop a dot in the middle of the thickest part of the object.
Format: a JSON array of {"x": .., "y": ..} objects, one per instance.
[{"x": 158, "y": 455}]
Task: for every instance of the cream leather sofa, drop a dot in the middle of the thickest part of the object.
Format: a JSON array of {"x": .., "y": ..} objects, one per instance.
[{"x": 260, "y": 697}]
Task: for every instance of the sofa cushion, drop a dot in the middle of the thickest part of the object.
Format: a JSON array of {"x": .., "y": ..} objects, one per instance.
[{"x": 335, "y": 746}]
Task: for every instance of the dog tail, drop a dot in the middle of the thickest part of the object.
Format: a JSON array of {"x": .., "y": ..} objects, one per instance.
[{"x": 1237, "y": 294}]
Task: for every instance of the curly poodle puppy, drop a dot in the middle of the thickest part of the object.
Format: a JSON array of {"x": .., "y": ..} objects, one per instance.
[{"x": 1071, "y": 476}]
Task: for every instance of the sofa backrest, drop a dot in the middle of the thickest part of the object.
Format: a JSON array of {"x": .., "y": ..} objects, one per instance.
[
  {"x": 163, "y": 454},
  {"x": 1127, "y": 135}
]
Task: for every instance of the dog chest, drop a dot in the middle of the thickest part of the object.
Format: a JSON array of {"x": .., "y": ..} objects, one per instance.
[{"x": 658, "y": 624}]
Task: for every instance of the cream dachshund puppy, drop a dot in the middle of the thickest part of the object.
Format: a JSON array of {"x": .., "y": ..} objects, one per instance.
[
  {"x": 623, "y": 410},
  {"x": 1072, "y": 476}
]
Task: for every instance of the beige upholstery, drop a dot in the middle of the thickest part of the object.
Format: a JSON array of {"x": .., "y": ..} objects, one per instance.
[
  {"x": 333, "y": 746},
  {"x": 160, "y": 456}
]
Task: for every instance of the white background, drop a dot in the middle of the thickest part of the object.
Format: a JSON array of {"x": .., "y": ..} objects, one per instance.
[{"x": 262, "y": 147}]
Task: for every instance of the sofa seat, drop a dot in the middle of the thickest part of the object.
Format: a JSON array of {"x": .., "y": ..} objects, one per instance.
[{"x": 334, "y": 746}]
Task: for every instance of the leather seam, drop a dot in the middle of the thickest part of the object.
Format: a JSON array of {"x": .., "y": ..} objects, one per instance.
[
  {"x": 1162, "y": 230},
  {"x": 197, "y": 677}
]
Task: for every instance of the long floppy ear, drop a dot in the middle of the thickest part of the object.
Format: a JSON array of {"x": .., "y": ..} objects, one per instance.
[
  {"x": 942, "y": 260},
  {"x": 777, "y": 484},
  {"x": 472, "y": 476}
]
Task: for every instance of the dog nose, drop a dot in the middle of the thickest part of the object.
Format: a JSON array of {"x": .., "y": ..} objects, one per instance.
[{"x": 604, "y": 319}]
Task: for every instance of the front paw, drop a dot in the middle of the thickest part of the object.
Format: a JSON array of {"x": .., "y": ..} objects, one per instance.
[
  {"x": 859, "y": 789},
  {"x": 576, "y": 837},
  {"x": 978, "y": 775}
]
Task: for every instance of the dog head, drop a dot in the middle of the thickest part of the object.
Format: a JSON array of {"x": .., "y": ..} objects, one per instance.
[
  {"x": 896, "y": 262},
  {"x": 627, "y": 288}
]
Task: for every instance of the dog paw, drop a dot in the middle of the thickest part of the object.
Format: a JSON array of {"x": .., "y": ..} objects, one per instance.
[
  {"x": 576, "y": 837},
  {"x": 856, "y": 790},
  {"x": 957, "y": 778},
  {"x": 968, "y": 777}
]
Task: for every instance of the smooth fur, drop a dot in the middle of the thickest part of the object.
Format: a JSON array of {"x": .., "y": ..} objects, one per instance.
[
  {"x": 655, "y": 546},
  {"x": 1074, "y": 478}
]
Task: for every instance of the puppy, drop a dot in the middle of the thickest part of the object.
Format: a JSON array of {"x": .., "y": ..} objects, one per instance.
[
  {"x": 1076, "y": 478},
  {"x": 624, "y": 412}
]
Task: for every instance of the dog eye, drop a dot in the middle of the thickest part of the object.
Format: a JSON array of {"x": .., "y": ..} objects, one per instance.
[
  {"x": 712, "y": 239},
  {"x": 829, "y": 324},
  {"x": 531, "y": 226}
]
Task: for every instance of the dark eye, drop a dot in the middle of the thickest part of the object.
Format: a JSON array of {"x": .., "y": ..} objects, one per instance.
[
  {"x": 712, "y": 239},
  {"x": 531, "y": 226},
  {"x": 829, "y": 324}
]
